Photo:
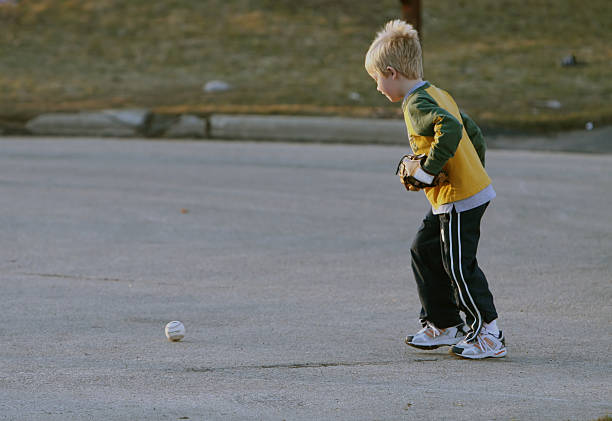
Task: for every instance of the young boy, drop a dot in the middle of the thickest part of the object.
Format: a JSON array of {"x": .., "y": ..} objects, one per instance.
[{"x": 444, "y": 250}]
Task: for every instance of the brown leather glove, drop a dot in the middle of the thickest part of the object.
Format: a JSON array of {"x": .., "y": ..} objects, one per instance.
[{"x": 408, "y": 166}]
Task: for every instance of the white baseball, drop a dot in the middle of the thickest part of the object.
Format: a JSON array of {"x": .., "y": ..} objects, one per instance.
[{"x": 175, "y": 331}]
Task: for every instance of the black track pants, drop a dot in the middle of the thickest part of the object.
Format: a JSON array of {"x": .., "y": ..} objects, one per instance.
[{"x": 446, "y": 270}]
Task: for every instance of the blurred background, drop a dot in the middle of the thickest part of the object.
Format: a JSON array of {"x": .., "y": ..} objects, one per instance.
[{"x": 533, "y": 65}]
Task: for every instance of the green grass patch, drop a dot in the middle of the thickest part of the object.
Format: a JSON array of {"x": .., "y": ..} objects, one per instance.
[{"x": 501, "y": 60}]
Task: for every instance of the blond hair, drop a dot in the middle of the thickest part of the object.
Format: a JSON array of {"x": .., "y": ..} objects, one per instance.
[{"x": 396, "y": 45}]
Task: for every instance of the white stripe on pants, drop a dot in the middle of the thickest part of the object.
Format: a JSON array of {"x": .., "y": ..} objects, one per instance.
[{"x": 477, "y": 323}]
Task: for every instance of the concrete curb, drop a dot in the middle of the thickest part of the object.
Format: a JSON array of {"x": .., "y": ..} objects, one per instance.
[
  {"x": 312, "y": 129},
  {"x": 144, "y": 123},
  {"x": 120, "y": 123}
]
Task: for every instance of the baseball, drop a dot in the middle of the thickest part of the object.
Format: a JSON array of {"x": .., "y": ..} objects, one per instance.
[{"x": 175, "y": 331}]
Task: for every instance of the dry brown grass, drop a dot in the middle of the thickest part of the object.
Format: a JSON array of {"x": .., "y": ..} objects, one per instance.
[{"x": 499, "y": 59}]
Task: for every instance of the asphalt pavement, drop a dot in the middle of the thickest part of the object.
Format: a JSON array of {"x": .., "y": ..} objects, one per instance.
[{"x": 289, "y": 266}]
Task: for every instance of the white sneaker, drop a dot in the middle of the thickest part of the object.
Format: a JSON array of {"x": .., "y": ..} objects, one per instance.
[
  {"x": 485, "y": 345},
  {"x": 430, "y": 337}
]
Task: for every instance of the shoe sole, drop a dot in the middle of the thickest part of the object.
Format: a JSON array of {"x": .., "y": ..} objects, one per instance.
[
  {"x": 426, "y": 347},
  {"x": 498, "y": 354}
]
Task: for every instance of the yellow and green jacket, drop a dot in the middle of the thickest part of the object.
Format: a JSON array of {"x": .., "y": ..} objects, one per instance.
[{"x": 450, "y": 139}]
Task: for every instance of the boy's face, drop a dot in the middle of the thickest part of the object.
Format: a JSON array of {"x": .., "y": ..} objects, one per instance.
[{"x": 390, "y": 85}]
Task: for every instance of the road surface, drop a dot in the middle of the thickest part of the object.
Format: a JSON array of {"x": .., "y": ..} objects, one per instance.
[{"x": 289, "y": 265}]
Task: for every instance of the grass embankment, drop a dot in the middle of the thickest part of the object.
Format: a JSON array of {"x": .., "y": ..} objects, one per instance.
[{"x": 501, "y": 60}]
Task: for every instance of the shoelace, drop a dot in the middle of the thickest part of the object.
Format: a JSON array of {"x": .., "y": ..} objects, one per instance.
[{"x": 435, "y": 330}]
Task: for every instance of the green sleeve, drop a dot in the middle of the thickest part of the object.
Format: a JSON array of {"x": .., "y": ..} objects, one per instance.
[
  {"x": 475, "y": 135},
  {"x": 429, "y": 119}
]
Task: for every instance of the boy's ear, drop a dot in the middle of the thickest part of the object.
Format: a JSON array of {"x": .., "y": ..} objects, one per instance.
[{"x": 392, "y": 71}]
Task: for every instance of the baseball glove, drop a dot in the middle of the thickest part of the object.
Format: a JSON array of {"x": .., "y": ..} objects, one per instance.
[{"x": 408, "y": 166}]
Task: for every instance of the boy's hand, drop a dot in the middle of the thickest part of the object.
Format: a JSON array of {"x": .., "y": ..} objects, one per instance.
[{"x": 414, "y": 177}]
